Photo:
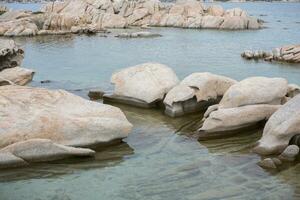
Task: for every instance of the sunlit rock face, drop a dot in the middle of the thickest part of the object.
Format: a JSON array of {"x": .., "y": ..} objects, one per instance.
[
  {"x": 195, "y": 93},
  {"x": 290, "y": 54},
  {"x": 64, "y": 118},
  {"x": 11, "y": 57},
  {"x": 100, "y": 14},
  {"x": 280, "y": 128},
  {"x": 244, "y": 104},
  {"x": 142, "y": 85}
]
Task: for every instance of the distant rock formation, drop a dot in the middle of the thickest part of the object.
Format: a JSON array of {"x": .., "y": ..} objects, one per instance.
[
  {"x": 96, "y": 15},
  {"x": 290, "y": 54}
]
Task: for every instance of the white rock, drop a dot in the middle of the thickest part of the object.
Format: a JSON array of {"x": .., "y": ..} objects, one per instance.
[
  {"x": 280, "y": 128},
  {"x": 231, "y": 119},
  {"x": 255, "y": 90},
  {"x": 67, "y": 119},
  {"x": 147, "y": 82}
]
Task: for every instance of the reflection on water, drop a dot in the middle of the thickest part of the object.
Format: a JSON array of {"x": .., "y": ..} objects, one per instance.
[{"x": 160, "y": 159}]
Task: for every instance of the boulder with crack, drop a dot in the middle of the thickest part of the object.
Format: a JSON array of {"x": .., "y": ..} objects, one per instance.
[{"x": 195, "y": 93}]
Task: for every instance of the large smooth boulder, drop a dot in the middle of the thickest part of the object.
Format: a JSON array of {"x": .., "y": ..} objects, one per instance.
[
  {"x": 142, "y": 85},
  {"x": 255, "y": 90},
  {"x": 10, "y": 54},
  {"x": 195, "y": 93},
  {"x": 63, "y": 118},
  {"x": 280, "y": 128}
]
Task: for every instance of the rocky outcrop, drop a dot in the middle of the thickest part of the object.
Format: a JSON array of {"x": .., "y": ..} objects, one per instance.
[
  {"x": 290, "y": 54},
  {"x": 142, "y": 85},
  {"x": 97, "y": 15},
  {"x": 11, "y": 57},
  {"x": 10, "y": 54},
  {"x": 44, "y": 125},
  {"x": 143, "y": 34},
  {"x": 245, "y": 104},
  {"x": 280, "y": 128},
  {"x": 195, "y": 93},
  {"x": 3, "y": 9}
]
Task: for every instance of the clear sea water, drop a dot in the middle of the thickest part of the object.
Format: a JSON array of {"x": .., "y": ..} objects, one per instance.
[{"x": 154, "y": 162}]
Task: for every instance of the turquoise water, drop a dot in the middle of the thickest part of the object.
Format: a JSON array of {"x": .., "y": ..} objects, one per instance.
[{"x": 155, "y": 162}]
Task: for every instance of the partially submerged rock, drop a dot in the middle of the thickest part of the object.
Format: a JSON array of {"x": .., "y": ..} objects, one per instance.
[
  {"x": 290, "y": 153},
  {"x": 267, "y": 163},
  {"x": 39, "y": 150},
  {"x": 142, "y": 85},
  {"x": 95, "y": 94},
  {"x": 9, "y": 160},
  {"x": 228, "y": 121},
  {"x": 142, "y": 34},
  {"x": 195, "y": 93},
  {"x": 280, "y": 128},
  {"x": 245, "y": 104},
  {"x": 290, "y": 54},
  {"x": 63, "y": 118}
]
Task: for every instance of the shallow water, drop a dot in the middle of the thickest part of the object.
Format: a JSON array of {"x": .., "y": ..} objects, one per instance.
[{"x": 155, "y": 162}]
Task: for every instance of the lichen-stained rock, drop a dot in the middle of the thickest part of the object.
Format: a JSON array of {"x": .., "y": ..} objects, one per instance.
[
  {"x": 196, "y": 92},
  {"x": 41, "y": 150},
  {"x": 16, "y": 75},
  {"x": 224, "y": 122},
  {"x": 148, "y": 82},
  {"x": 255, "y": 90},
  {"x": 280, "y": 128},
  {"x": 10, "y": 54},
  {"x": 67, "y": 119}
]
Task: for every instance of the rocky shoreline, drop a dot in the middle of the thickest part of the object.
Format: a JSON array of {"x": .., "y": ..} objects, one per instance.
[{"x": 72, "y": 16}]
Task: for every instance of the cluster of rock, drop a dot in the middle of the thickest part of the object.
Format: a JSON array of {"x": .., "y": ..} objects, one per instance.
[
  {"x": 11, "y": 57},
  {"x": 235, "y": 106},
  {"x": 156, "y": 85},
  {"x": 43, "y": 125},
  {"x": 141, "y": 34},
  {"x": 289, "y": 54},
  {"x": 96, "y": 15}
]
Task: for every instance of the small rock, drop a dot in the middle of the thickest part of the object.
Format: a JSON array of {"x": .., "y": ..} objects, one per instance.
[
  {"x": 277, "y": 161},
  {"x": 267, "y": 163},
  {"x": 45, "y": 81},
  {"x": 290, "y": 153},
  {"x": 95, "y": 94}
]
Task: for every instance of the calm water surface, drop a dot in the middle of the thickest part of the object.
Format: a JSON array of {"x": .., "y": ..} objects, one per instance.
[{"x": 155, "y": 162}]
